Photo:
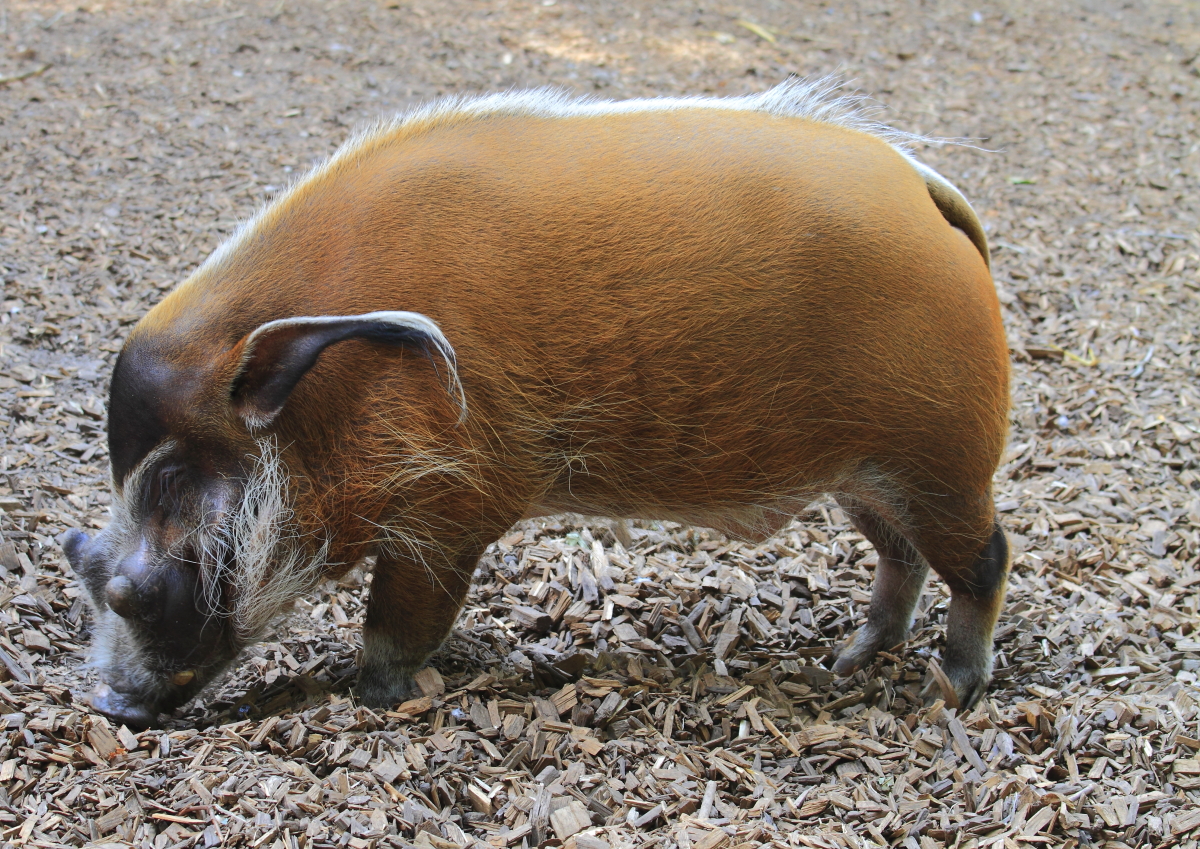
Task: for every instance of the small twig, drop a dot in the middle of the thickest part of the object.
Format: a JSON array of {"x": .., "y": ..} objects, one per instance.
[
  {"x": 948, "y": 693},
  {"x": 1090, "y": 360},
  {"x": 24, "y": 75},
  {"x": 47, "y": 24},
  {"x": 218, "y": 19},
  {"x": 1141, "y": 366},
  {"x": 759, "y": 30}
]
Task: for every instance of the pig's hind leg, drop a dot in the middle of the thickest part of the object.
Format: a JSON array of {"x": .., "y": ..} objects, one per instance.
[
  {"x": 411, "y": 610},
  {"x": 899, "y": 580},
  {"x": 976, "y": 597},
  {"x": 976, "y": 572}
]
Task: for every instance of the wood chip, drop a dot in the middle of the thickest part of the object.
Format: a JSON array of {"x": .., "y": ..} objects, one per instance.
[
  {"x": 429, "y": 680},
  {"x": 716, "y": 839},
  {"x": 571, "y": 819}
]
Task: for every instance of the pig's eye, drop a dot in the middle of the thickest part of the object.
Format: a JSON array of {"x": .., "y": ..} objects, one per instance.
[{"x": 165, "y": 488}]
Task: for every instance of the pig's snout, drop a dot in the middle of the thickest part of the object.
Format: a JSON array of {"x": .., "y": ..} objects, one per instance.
[
  {"x": 122, "y": 709},
  {"x": 144, "y": 590},
  {"x": 125, "y": 600}
]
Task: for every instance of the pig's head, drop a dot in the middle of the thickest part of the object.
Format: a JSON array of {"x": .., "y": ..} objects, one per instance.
[{"x": 205, "y": 548}]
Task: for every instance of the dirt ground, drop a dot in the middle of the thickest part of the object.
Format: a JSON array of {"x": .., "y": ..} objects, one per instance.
[{"x": 671, "y": 693}]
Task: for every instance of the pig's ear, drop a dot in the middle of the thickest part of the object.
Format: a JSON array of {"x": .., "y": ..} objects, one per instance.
[{"x": 278, "y": 354}]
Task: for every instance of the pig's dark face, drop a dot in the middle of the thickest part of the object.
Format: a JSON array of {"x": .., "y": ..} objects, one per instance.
[
  {"x": 204, "y": 551},
  {"x": 199, "y": 556},
  {"x": 160, "y": 625},
  {"x": 160, "y": 579},
  {"x": 192, "y": 568}
]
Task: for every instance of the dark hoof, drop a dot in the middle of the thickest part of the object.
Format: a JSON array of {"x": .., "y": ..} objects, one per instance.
[
  {"x": 382, "y": 689},
  {"x": 846, "y": 660},
  {"x": 958, "y": 687},
  {"x": 860, "y": 650}
]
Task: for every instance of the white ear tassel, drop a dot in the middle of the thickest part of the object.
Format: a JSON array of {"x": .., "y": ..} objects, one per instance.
[{"x": 429, "y": 327}]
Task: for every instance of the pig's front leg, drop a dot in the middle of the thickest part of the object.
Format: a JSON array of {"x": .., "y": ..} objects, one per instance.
[{"x": 410, "y": 612}]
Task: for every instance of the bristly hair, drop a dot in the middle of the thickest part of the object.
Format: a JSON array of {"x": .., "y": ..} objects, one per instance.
[
  {"x": 824, "y": 100},
  {"x": 259, "y": 552}
]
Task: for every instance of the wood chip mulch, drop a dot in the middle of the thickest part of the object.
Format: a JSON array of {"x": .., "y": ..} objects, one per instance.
[
  {"x": 674, "y": 689},
  {"x": 671, "y": 691}
]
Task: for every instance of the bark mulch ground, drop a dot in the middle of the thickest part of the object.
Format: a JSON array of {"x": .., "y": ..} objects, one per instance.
[{"x": 669, "y": 692}]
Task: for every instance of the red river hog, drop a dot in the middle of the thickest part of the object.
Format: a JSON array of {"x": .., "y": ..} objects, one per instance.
[{"x": 709, "y": 311}]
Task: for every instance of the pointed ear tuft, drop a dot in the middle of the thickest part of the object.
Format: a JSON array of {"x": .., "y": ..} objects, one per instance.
[{"x": 278, "y": 354}]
